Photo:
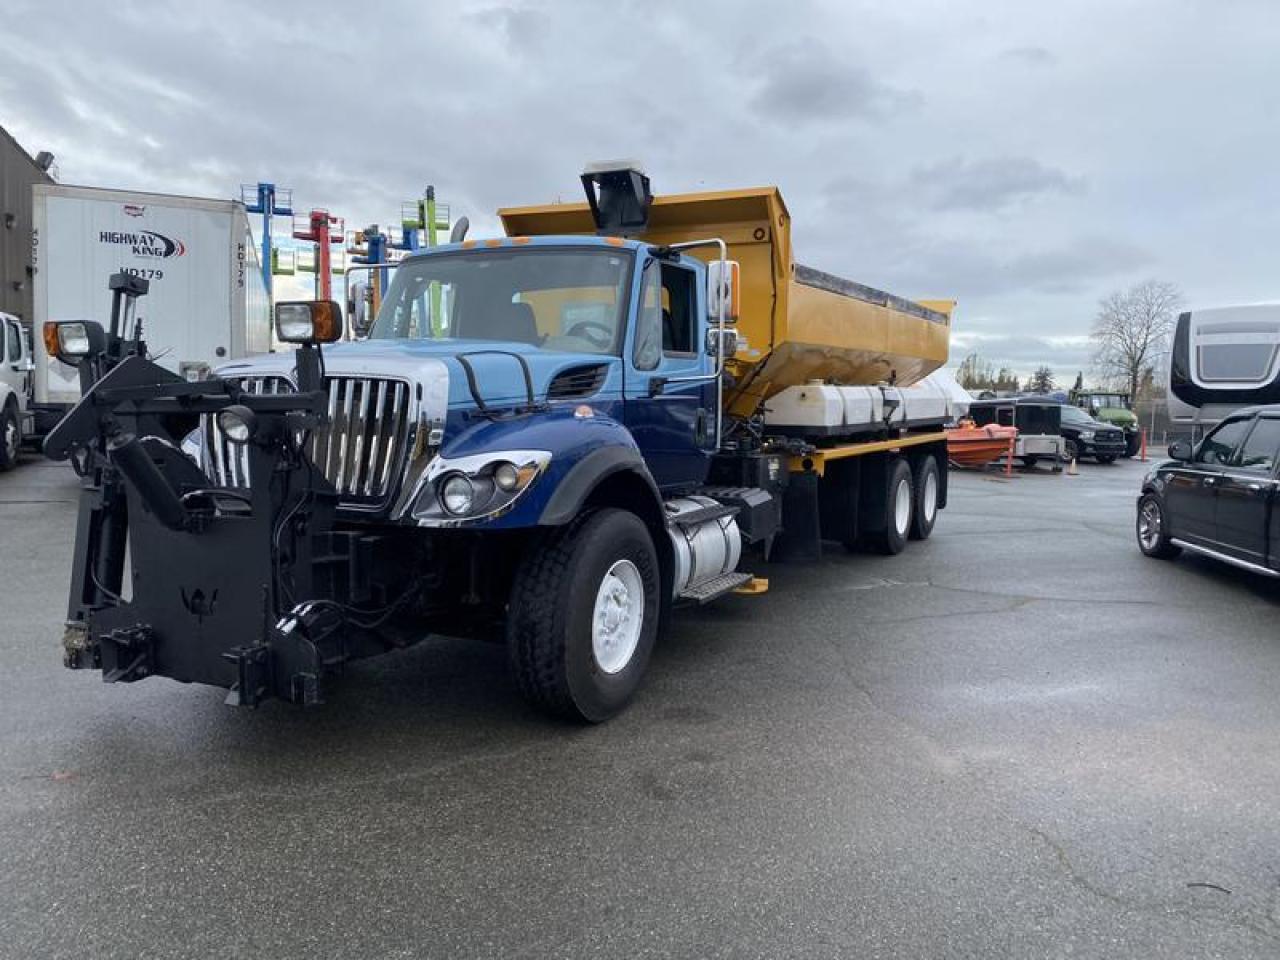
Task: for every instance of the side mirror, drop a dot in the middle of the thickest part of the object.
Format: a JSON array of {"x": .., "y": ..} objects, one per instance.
[
  {"x": 723, "y": 288},
  {"x": 74, "y": 340},
  {"x": 308, "y": 321},
  {"x": 1180, "y": 450},
  {"x": 726, "y": 347}
]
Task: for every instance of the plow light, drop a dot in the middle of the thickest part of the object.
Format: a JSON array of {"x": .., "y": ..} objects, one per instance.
[
  {"x": 238, "y": 424},
  {"x": 308, "y": 321},
  {"x": 458, "y": 494},
  {"x": 72, "y": 340}
]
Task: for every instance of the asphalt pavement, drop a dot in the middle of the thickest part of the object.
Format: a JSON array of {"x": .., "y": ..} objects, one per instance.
[{"x": 1018, "y": 739}]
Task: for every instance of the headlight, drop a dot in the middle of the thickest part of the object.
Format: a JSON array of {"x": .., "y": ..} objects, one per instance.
[
  {"x": 478, "y": 486},
  {"x": 458, "y": 494},
  {"x": 1086, "y": 434},
  {"x": 238, "y": 424}
]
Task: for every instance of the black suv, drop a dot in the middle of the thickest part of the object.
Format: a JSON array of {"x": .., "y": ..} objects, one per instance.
[
  {"x": 1218, "y": 498},
  {"x": 1084, "y": 436}
]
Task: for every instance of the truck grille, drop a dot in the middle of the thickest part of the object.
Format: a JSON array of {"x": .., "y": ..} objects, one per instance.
[{"x": 361, "y": 450}]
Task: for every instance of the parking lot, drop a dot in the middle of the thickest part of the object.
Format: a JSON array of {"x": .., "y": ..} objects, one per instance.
[{"x": 1018, "y": 739}]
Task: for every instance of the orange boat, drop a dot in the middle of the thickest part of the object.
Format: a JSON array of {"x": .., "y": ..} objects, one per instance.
[{"x": 969, "y": 445}]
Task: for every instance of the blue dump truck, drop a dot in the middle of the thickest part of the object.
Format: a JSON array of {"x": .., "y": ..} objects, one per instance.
[{"x": 551, "y": 440}]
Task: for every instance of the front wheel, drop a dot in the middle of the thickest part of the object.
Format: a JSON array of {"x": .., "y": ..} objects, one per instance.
[
  {"x": 1105, "y": 458},
  {"x": 10, "y": 437},
  {"x": 1070, "y": 450},
  {"x": 1153, "y": 531},
  {"x": 584, "y": 616}
]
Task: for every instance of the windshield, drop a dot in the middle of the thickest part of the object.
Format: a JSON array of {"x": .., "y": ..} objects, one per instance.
[
  {"x": 553, "y": 298},
  {"x": 1099, "y": 400},
  {"x": 1075, "y": 415}
]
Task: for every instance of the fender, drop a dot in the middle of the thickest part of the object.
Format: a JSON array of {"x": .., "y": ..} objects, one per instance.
[{"x": 587, "y": 474}]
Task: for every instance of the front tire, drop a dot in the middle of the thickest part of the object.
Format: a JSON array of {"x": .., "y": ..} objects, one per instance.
[
  {"x": 1153, "y": 531},
  {"x": 10, "y": 437},
  {"x": 1105, "y": 458},
  {"x": 584, "y": 616},
  {"x": 1070, "y": 450}
]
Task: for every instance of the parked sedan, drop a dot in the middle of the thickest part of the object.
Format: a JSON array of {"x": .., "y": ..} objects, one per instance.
[
  {"x": 1219, "y": 497},
  {"x": 1083, "y": 436}
]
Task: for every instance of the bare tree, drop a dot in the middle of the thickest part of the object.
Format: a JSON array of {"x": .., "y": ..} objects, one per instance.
[{"x": 1131, "y": 330}]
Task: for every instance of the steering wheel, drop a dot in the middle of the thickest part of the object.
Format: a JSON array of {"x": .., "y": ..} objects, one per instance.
[{"x": 583, "y": 329}]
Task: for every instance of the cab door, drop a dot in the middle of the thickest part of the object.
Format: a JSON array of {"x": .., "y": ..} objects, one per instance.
[
  {"x": 1246, "y": 491},
  {"x": 669, "y": 401},
  {"x": 1191, "y": 492},
  {"x": 15, "y": 362}
]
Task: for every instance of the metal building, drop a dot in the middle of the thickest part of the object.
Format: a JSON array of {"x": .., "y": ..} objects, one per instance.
[{"x": 18, "y": 172}]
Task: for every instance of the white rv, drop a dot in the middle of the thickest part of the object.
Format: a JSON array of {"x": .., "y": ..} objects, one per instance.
[{"x": 1223, "y": 359}]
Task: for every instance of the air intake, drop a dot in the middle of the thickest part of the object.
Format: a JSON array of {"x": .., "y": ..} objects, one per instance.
[{"x": 577, "y": 382}]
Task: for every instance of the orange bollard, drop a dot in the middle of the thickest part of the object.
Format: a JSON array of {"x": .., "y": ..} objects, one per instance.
[{"x": 1143, "y": 456}]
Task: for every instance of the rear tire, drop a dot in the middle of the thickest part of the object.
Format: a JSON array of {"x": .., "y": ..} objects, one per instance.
[
  {"x": 1030, "y": 460},
  {"x": 898, "y": 502},
  {"x": 1153, "y": 531},
  {"x": 924, "y": 513},
  {"x": 584, "y": 616},
  {"x": 10, "y": 437}
]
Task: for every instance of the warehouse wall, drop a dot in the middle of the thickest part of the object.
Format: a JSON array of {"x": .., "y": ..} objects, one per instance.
[{"x": 18, "y": 172}]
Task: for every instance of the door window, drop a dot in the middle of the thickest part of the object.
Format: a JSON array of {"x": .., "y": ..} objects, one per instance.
[
  {"x": 679, "y": 323},
  {"x": 647, "y": 350},
  {"x": 1218, "y": 447},
  {"x": 13, "y": 346},
  {"x": 1259, "y": 451}
]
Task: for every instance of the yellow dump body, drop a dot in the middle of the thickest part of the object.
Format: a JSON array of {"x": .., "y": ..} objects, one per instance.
[{"x": 799, "y": 324}]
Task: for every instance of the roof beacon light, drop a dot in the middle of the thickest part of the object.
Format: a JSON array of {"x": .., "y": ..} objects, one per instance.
[{"x": 619, "y": 196}]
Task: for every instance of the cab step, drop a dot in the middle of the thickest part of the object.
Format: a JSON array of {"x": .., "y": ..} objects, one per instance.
[{"x": 709, "y": 590}]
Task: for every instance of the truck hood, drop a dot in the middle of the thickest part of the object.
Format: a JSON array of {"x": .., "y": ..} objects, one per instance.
[
  {"x": 435, "y": 366},
  {"x": 1117, "y": 416}
]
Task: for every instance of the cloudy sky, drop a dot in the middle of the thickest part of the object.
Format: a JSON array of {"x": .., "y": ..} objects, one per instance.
[{"x": 1023, "y": 158}]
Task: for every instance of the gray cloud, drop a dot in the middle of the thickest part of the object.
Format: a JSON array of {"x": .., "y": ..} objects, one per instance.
[
  {"x": 808, "y": 81},
  {"x": 992, "y": 183},
  {"x": 1031, "y": 54},
  {"x": 917, "y": 149}
]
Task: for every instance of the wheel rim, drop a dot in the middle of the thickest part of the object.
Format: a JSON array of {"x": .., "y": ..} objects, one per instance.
[
  {"x": 618, "y": 617},
  {"x": 902, "y": 506},
  {"x": 930, "y": 496},
  {"x": 1149, "y": 524},
  {"x": 10, "y": 439}
]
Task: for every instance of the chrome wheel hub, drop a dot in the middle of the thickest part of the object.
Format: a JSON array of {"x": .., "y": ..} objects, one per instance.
[
  {"x": 618, "y": 617},
  {"x": 930, "y": 496},
  {"x": 1149, "y": 524},
  {"x": 902, "y": 507}
]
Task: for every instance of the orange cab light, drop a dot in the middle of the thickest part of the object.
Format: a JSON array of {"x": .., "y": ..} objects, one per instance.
[{"x": 49, "y": 333}]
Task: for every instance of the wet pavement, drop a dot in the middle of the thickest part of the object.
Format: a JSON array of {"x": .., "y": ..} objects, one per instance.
[{"x": 1019, "y": 739}]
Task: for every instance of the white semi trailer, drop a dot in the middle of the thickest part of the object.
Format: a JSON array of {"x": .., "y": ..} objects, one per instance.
[{"x": 207, "y": 302}]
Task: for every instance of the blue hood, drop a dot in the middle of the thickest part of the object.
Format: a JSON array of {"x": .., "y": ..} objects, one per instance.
[{"x": 499, "y": 376}]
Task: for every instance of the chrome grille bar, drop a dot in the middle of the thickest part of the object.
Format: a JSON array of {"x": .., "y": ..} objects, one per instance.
[{"x": 361, "y": 450}]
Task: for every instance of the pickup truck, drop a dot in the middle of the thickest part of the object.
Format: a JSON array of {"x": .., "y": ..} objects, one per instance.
[{"x": 1218, "y": 498}]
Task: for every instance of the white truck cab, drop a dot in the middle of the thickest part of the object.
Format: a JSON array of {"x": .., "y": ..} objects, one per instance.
[{"x": 15, "y": 388}]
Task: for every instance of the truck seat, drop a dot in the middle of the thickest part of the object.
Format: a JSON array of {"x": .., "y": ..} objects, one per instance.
[{"x": 505, "y": 321}]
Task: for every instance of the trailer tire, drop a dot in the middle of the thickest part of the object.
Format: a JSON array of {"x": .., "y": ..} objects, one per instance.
[
  {"x": 10, "y": 437},
  {"x": 899, "y": 500},
  {"x": 575, "y": 647},
  {"x": 924, "y": 508}
]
